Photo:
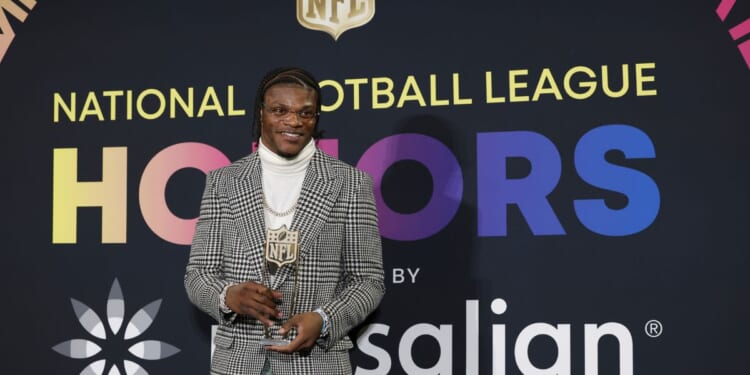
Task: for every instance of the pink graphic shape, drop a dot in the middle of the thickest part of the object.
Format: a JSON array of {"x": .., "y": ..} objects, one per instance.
[
  {"x": 745, "y": 50},
  {"x": 154, "y": 181},
  {"x": 6, "y": 30},
  {"x": 724, "y": 7},
  {"x": 330, "y": 147},
  {"x": 740, "y": 30}
]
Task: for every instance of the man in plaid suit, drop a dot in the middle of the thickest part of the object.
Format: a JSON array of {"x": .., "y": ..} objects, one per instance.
[{"x": 287, "y": 190}]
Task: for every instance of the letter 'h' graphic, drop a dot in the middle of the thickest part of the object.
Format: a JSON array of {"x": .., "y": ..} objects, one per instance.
[{"x": 110, "y": 194}]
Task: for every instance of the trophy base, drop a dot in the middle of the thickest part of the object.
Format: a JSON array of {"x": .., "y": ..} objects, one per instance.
[{"x": 273, "y": 342}]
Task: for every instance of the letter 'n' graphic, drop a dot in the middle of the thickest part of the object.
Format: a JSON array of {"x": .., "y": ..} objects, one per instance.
[{"x": 110, "y": 194}]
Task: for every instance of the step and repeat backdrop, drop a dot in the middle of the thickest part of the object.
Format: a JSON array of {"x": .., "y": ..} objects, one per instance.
[{"x": 562, "y": 186}]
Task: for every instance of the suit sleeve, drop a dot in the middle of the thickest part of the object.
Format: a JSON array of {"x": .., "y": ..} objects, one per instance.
[
  {"x": 362, "y": 261},
  {"x": 204, "y": 276}
]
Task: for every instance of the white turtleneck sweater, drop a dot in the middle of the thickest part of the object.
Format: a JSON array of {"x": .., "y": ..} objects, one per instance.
[{"x": 282, "y": 182}]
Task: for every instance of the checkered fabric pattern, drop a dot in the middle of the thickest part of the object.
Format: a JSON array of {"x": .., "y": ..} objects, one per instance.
[{"x": 340, "y": 266}]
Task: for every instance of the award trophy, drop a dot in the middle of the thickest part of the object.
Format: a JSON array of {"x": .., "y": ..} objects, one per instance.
[{"x": 282, "y": 247}]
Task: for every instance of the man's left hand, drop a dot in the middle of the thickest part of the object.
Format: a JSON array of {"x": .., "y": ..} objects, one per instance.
[{"x": 308, "y": 327}]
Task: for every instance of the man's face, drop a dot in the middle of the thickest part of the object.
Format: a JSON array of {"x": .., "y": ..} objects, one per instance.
[{"x": 283, "y": 130}]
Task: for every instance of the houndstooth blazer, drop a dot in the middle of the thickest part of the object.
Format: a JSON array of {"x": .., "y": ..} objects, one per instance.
[{"x": 340, "y": 262}]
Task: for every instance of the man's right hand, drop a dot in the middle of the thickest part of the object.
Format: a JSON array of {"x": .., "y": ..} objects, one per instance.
[{"x": 255, "y": 300}]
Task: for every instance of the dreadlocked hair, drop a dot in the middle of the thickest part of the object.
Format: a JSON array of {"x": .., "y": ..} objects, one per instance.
[{"x": 285, "y": 75}]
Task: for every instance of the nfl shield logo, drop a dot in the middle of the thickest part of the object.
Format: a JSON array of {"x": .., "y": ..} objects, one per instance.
[
  {"x": 334, "y": 16},
  {"x": 281, "y": 246}
]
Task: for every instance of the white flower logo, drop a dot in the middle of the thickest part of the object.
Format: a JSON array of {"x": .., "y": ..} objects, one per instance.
[{"x": 138, "y": 324}]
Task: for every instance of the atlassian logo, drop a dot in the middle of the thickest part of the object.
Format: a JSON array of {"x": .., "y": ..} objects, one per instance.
[
  {"x": 567, "y": 349},
  {"x": 138, "y": 324}
]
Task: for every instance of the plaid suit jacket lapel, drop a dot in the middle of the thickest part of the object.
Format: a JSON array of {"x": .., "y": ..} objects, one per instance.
[
  {"x": 319, "y": 191},
  {"x": 249, "y": 206}
]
